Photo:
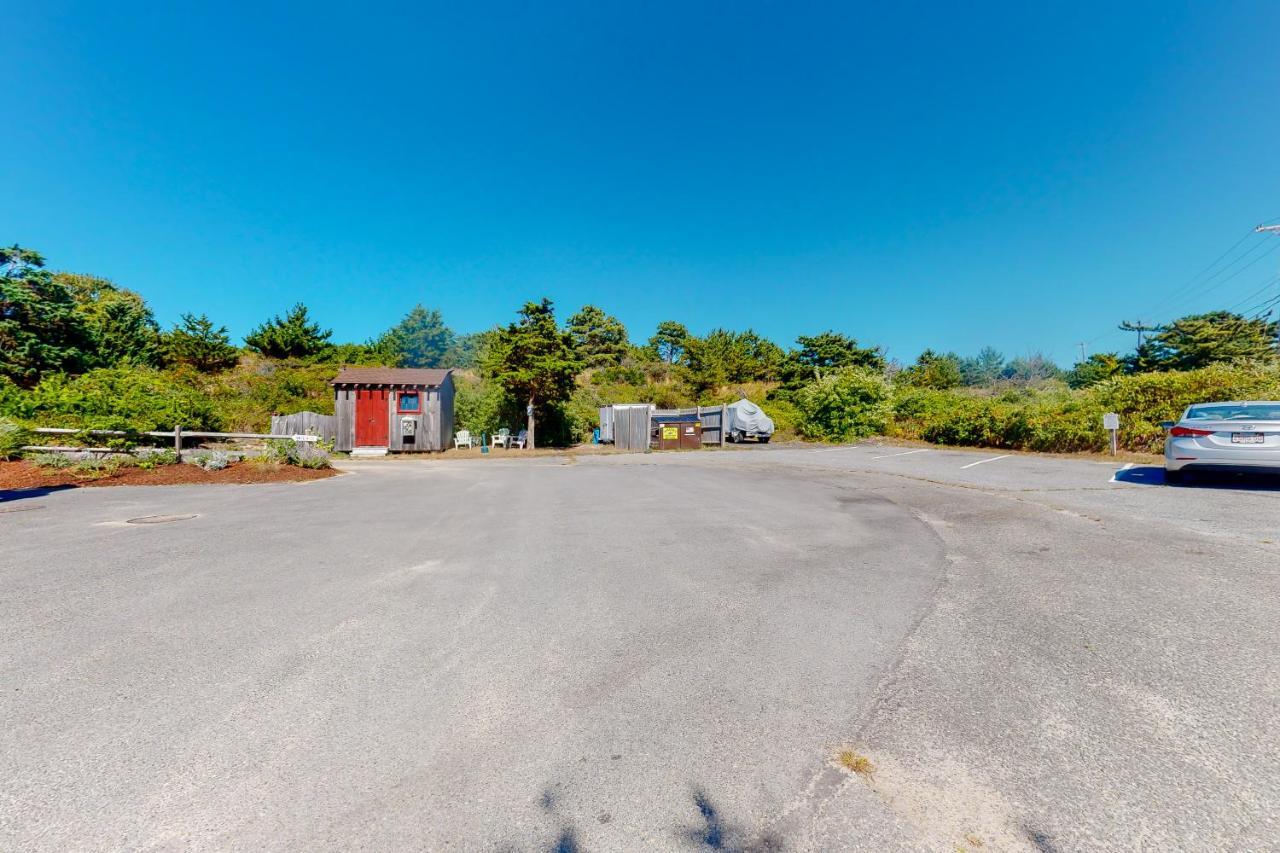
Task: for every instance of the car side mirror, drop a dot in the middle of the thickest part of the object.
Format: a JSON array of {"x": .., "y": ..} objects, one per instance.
[{"x": 1166, "y": 425}]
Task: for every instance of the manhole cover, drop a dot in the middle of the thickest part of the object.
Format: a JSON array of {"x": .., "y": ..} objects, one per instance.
[{"x": 159, "y": 519}]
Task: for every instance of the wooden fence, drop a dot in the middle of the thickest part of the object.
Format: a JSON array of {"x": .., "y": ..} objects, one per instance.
[
  {"x": 630, "y": 426},
  {"x": 712, "y": 418},
  {"x": 177, "y": 434},
  {"x": 324, "y": 427}
]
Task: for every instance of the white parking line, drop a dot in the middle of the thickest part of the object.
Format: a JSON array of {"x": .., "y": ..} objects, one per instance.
[
  {"x": 904, "y": 453},
  {"x": 1126, "y": 467},
  {"x": 983, "y": 461}
]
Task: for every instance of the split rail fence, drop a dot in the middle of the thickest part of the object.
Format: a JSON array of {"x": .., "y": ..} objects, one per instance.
[{"x": 177, "y": 434}]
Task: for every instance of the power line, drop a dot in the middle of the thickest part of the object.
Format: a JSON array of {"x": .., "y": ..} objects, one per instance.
[{"x": 1266, "y": 284}]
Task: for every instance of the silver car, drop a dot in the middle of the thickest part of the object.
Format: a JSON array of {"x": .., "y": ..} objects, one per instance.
[{"x": 1232, "y": 436}]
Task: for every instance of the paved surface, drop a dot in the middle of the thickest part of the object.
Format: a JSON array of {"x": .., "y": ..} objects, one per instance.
[{"x": 647, "y": 652}]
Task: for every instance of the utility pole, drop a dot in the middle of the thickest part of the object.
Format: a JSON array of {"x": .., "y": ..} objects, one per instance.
[
  {"x": 1082, "y": 352},
  {"x": 1271, "y": 229},
  {"x": 1138, "y": 327}
]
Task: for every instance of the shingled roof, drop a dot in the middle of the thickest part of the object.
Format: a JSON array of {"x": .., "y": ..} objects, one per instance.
[{"x": 390, "y": 376}]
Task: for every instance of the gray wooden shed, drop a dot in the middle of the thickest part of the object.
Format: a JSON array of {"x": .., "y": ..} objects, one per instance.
[{"x": 402, "y": 409}]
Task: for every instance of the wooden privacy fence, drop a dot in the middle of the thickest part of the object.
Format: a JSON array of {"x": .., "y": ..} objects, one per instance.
[
  {"x": 324, "y": 427},
  {"x": 630, "y": 426},
  {"x": 712, "y": 417}
]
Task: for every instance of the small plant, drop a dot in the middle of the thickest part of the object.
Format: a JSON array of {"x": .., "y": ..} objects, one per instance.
[
  {"x": 855, "y": 763},
  {"x": 103, "y": 466},
  {"x": 286, "y": 451},
  {"x": 155, "y": 458},
  {"x": 309, "y": 457},
  {"x": 276, "y": 451},
  {"x": 215, "y": 461},
  {"x": 52, "y": 460}
]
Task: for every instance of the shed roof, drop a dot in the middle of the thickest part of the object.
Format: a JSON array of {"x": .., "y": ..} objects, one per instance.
[{"x": 391, "y": 376}]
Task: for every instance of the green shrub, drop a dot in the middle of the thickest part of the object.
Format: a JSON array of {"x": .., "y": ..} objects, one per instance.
[
  {"x": 844, "y": 405},
  {"x": 1145, "y": 399},
  {"x": 481, "y": 407},
  {"x": 13, "y": 436},
  {"x": 52, "y": 460},
  {"x": 785, "y": 416},
  {"x": 103, "y": 466},
  {"x": 286, "y": 451},
  {"x": 215, "y": 461},
  {"x": 155, "y": 458},
  {"x": 135, "y": 398}
]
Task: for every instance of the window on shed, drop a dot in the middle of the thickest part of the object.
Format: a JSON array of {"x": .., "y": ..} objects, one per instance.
[{"x": 410, "y": 401}]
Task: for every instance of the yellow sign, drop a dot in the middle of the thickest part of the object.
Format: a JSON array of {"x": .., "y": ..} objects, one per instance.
[{"x": 670, "y": 432}]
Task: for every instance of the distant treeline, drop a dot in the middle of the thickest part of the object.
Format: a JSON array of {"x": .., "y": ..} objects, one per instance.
[{"x": 82, "y": 350}]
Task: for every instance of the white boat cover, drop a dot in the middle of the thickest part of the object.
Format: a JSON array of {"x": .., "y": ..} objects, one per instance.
[{"x": 747, "y": 417}]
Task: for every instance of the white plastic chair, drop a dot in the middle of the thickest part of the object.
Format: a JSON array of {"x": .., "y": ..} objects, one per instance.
[
  {"x": 463, "y": 437},
  {"x": 519, "y": 440},
  {"x": 502, "y": 437}
]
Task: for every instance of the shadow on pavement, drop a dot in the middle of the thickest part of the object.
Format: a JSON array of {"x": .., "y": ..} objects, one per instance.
[
  {"x": 11, "y": 495},
  {"x": 713, "y": 833},
  {"x": 1247, "y": 481}
]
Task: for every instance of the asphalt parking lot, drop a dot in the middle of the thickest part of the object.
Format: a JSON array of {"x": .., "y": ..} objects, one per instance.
[{"x": 661, "y": 651}]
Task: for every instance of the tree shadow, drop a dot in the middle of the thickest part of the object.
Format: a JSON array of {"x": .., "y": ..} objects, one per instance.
[
  {"x": 715, "y": 833},
  {"x": 566, "y": 840},
  {"x": 13, "y": 495}
]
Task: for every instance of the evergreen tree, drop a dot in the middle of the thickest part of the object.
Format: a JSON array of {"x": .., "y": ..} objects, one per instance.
[
  {"x": 40, "y": 328},
  {"x": 195, "y": 342},
  {"x": 1199, "y": 340},
  {"x": 535, "y": 362},
  {"x": 985, "y": 368},
  {"x": 1094, "y": 369},
  {"x": 724, "y": 358},
  {"x": 122, "y": 327},
  {"x": 669, "y": 341},
  {"x": 600, "y": 338},
  {"x": 294, "y": 336},
  {"x": 933, "y": 370},
  {"x": 820, "y": 354},
  {"x": 422, "y": 339}
]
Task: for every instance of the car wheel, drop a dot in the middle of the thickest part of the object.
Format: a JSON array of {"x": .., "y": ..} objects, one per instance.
[{"x": 764, "y": 439}]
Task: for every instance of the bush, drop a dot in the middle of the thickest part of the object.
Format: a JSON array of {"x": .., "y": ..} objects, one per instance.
[
  {"x": 785, "y": 417},
  {"x": 844, "y": 405},
  {"x": 13, "y": 436},
  {"x": 215, "y": 461},
  {"x": 52, "y": 460},
  {"x": 1145, "y": 399},
  {"x": 103, "y": 466},
  {"x": 149, "y": 459},
  {"x": 120, "y": 398},
  {"x": 286, "y": 451}
]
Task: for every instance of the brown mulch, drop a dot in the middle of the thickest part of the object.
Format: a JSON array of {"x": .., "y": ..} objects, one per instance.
[{"x": 24, "y": 475}]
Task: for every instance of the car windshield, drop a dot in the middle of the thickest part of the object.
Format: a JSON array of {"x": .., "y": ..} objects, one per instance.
[{"x": 1235, "y": 412}]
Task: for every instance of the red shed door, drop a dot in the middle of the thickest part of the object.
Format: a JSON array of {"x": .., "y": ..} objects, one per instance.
[{"x": 371, "y": 417}]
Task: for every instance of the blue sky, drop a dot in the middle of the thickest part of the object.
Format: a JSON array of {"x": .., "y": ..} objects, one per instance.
[{"x": 1020, "y": 175}]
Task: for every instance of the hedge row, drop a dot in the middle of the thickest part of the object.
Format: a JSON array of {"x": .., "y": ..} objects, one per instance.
[{"x": 1063, "y": 421}]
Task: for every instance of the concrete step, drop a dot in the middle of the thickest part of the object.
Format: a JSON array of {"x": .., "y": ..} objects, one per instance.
[{"x": 366, "y": 452}]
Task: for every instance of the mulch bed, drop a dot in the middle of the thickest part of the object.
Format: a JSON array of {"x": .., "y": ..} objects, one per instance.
[{"x": 24, "y": 475}]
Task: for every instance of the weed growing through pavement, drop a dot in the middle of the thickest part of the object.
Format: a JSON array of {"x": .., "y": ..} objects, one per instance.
[{"x": 855, "y": 763}]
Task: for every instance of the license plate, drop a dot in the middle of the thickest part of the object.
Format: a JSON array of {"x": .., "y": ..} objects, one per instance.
[{"x": 1247, "y": 438}]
